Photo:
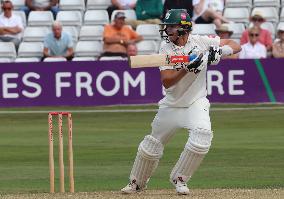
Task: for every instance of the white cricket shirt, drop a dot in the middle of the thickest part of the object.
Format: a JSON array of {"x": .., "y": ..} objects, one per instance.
[{"x": 192, "y": 86}]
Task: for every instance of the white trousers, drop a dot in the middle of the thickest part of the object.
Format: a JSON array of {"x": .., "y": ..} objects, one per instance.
[{"x": 168, "y": 120}]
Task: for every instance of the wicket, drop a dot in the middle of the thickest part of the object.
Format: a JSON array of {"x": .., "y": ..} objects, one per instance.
[{"x": 60, "y": 146}]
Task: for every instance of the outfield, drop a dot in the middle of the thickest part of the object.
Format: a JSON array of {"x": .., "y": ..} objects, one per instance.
[{"x": 247, "y": 151}]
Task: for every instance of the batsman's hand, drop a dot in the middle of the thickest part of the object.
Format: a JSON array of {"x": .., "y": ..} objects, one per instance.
[
  {"x": 197, "y": 64},
  {"x": 215, "y": 53}
]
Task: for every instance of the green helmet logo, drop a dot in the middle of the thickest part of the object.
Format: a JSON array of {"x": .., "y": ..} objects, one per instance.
[{"x": 177, "y": 16}]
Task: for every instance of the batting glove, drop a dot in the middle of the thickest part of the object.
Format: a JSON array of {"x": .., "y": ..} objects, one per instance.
[
  {"x": 197, "y": 64},
  {"x": 215, "y": 53}
]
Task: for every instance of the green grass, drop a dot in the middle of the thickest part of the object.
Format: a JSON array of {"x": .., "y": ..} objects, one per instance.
[{"x": 247, "y": 150}]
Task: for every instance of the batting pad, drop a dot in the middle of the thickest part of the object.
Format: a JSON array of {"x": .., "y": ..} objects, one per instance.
[
  {"x": 195, "y": 149},
  {"x": 149, "y": 153}
]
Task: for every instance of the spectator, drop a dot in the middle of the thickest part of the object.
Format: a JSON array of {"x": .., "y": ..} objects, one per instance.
[
  {"x": 131, "y": 49},
  {"x": 58, "y": 43},
  {"x": 265, "y": 36},
  {"x": 11, "y": 26},
  {"x": 217, "y": 5},
  {"x": 121, "y": 5},
  {"x": 117, "y": 36},
  {"x": 41, "y": 5},
  {"x": 147, "y": 12},
  {"x": 204, "y": 14},
  {"x": 224, "y": 32},
  {"x": 253, "y": 49},
  {"x": 278, "y": 46},
  {"x": 178, "y": 4}
]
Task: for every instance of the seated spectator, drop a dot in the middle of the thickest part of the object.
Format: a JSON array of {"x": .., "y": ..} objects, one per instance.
[
  {"x": 11, "y": 26},
  {"x": 265, "y": 36},
  {"x": 204, "y": 14},
  {"x": 278, "y": 46},
  {"x": 147, "y": 12},
  {"x": 121, "y": 5},
  {"x": 117, "y": 36},
  {"x": 131, "y": 49},
  {"x": 178, "y": 4},
  {"x": 58, "y": 43},
  {"x": 253, "y": 49},
  {"x": 217, "y": 5},
  {"x": 224, "y": 32},
  {"x": 41, "y": 5}
]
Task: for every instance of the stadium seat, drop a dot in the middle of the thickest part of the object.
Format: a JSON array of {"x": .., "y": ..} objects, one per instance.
[
  {"x": 8, "y": 50},
  {"x": 238, "y": 3},
  {"x": 40, "y": 18},
  {"x": 72, "y": 5},
  {"x": 84, "y": 59},
  {"x": 54, "y": 59},
  {"x": 269, "y": 13},
  {"x": 88, "y": 49},
  {"x": 204, "y": 29},
  {"x": 73, "y": 31},
  {"x": 31, "y": 49},
  {"x": 266, "y": 3},
  {"x": 149, "y": 31},
  {"x": 35, "y": 34},
  {"x": 22, "y": 15},
  {"x": 147, "y": 47},
  {"x": 98, "y": 4},
  {"x": 237, "y": 28},
  {"x": 18, "y": 4},
  {"x": 96, "y": 17},
  {"x": 238, "y": 15},
  {"x": 282, "y": 14},
  {"x": 6, "y": 60},
  {"x": 270, "y": 27},
  {"x": 113, "y": 58},
  {"x": 280, "y": 24},
  {"x": 70, "y": 18},
  {"x": 91, "y": 33},
  {"x": 27, "y": 59},
  {"x": 129, "y": 14}
]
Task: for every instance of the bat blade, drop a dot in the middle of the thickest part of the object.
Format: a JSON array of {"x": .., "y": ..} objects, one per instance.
[{"x": 156, "y": 60}]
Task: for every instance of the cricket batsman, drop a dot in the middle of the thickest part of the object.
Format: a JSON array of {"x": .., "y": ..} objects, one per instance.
[{"x": 184, "y": 106}]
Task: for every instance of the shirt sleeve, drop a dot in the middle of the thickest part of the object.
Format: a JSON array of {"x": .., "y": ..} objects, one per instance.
[
  {"x": 133, "y": 34},
  {"x": 210, "y": 41},
  {"x": 107, "y": 31},
  {"x": 163, "y": 51},
  {"x": 20, "y": 23},
  {"x": 264, "y": 52},
  {"x": 242, "y": 53},
  {"x": 45, "y": 41},
  {"x": 268, "y": 39},
  {"x": 69, "y": 41},
  {"x": 244, "y": 37}
]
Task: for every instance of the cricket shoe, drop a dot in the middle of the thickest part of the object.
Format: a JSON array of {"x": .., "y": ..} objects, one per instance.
[
  {"x": 132, "y": 187},
  {"x": 181, "y": 186}
]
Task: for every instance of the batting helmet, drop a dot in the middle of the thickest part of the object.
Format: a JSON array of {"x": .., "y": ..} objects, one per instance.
[{"x": 177, "y": 17}]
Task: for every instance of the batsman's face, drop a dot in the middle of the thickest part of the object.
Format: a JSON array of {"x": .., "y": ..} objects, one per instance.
[{"x": 172, "y": 32}]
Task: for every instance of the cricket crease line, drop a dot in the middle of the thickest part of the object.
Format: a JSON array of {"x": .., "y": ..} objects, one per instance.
[{"x": 138, "y": 110}]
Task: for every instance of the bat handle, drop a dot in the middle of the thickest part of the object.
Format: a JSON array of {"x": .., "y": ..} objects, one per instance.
[{"x": 192, "y": 57}]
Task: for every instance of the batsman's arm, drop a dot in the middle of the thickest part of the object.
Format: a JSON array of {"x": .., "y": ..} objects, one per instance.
[
  {"x": 171, "y": 77},
  {"x": 229, "y": 47}
]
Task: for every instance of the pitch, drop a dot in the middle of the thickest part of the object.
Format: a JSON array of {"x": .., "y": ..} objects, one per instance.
[{"x": 247, "y": 152}]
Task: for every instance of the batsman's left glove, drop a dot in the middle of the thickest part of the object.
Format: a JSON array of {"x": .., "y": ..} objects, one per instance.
[
  {"x": 215, "y": 53},
  {"x": 197, "y": 64}
]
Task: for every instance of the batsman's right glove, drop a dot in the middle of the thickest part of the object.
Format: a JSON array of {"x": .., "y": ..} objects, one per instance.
[
  {"x": 215, "y": 54},
  {"x": 197, "y": 64}
]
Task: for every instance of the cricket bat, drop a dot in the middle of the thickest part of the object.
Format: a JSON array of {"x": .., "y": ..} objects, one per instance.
[{"x": 156, "y": 60}]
